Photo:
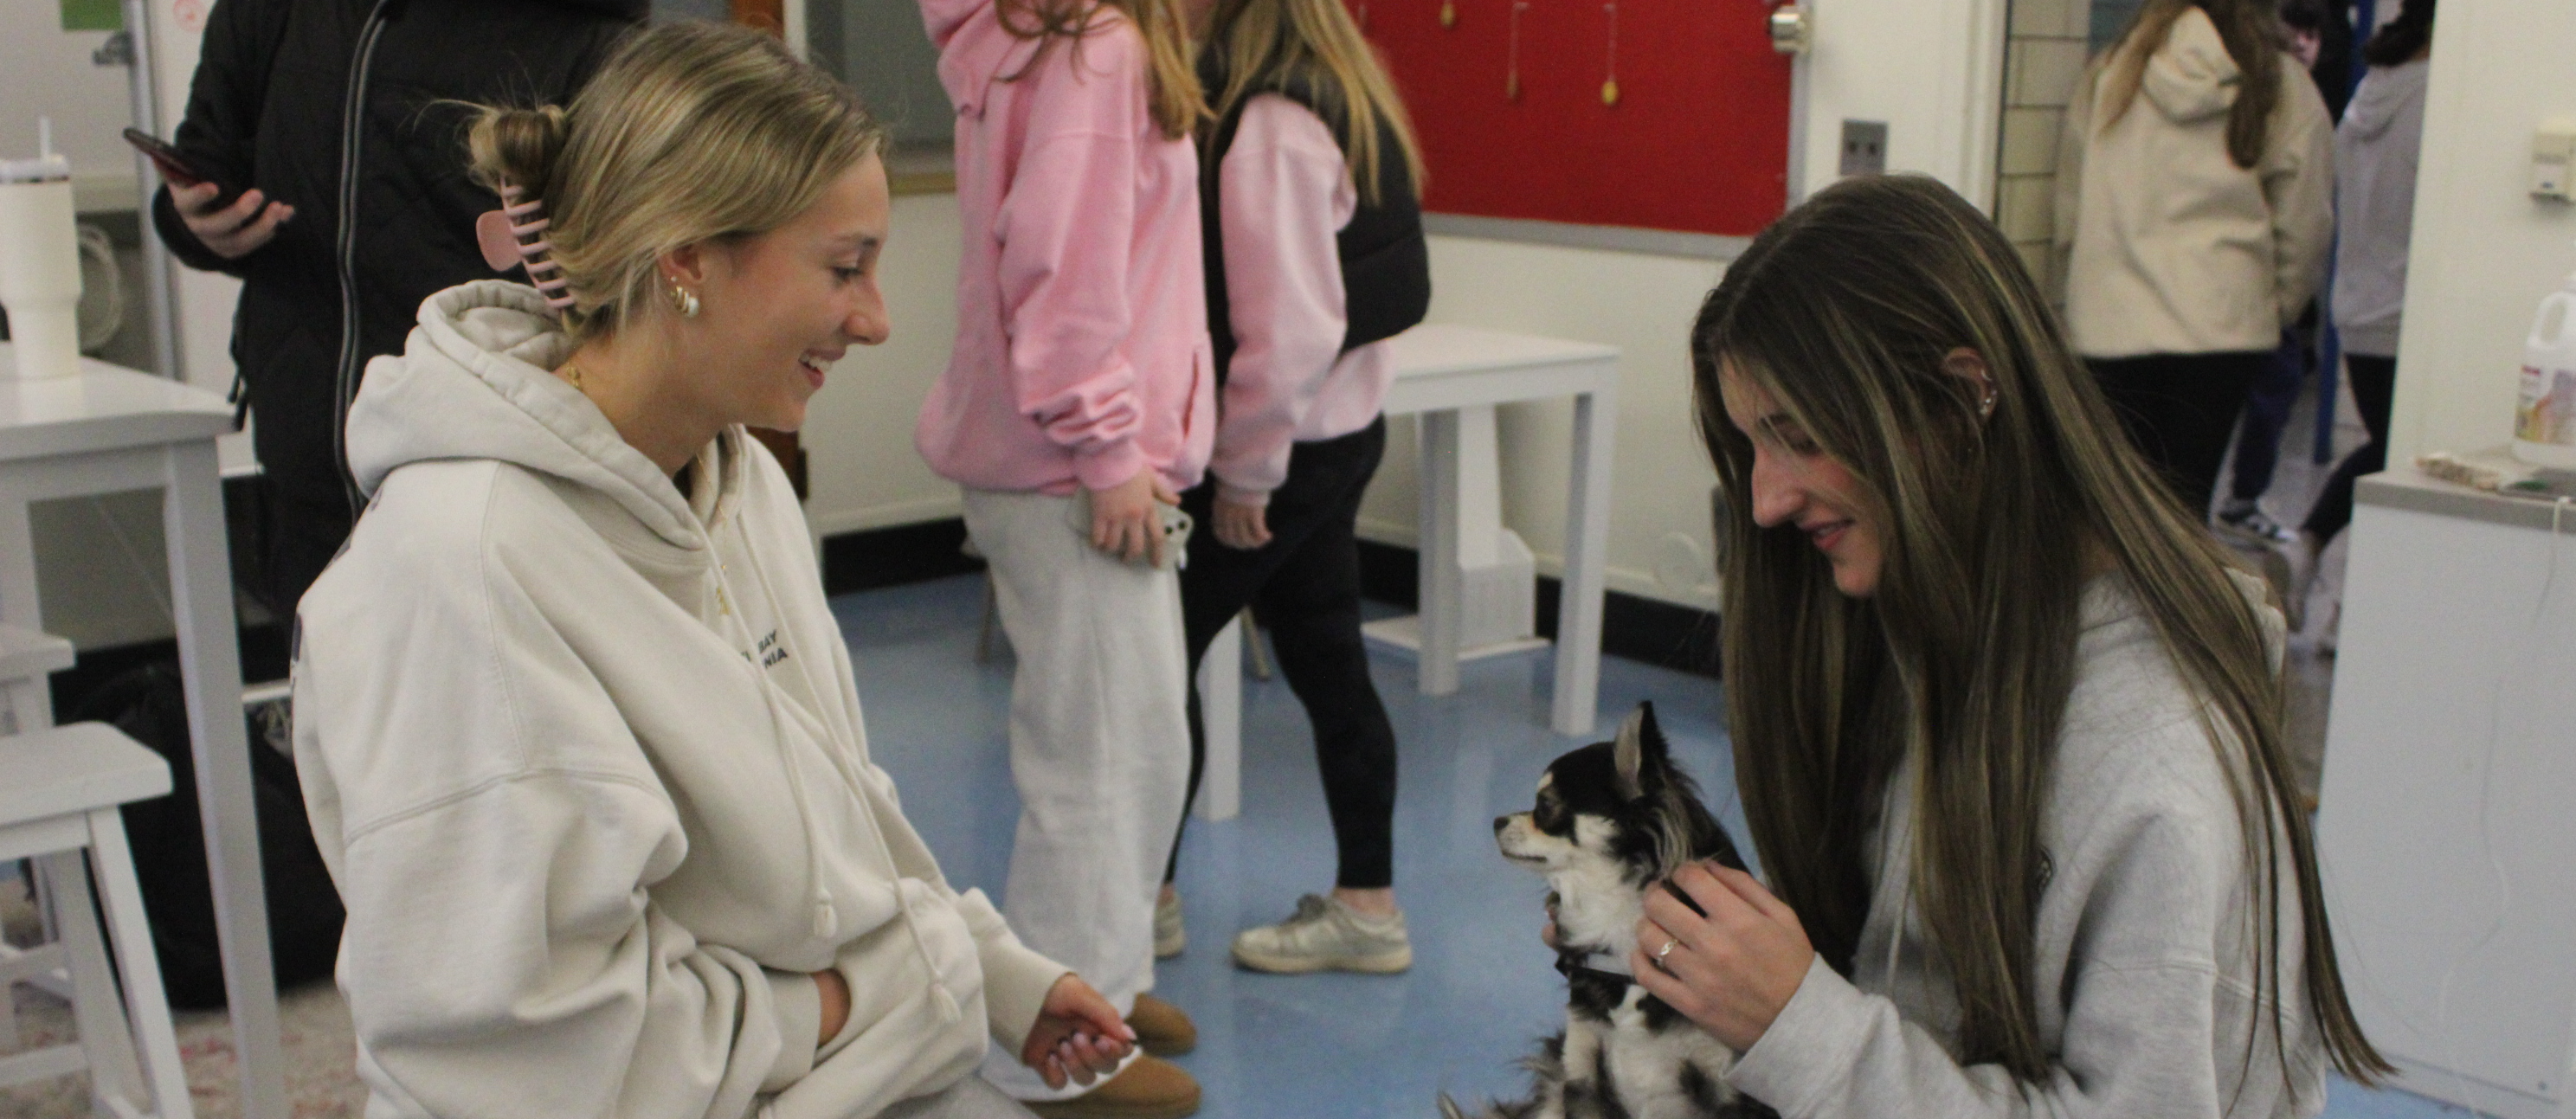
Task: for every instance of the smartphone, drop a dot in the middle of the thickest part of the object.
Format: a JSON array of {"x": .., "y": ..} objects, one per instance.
[{"x": 174, "y": 167}]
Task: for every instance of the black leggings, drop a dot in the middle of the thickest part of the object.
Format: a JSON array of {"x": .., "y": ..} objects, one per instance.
[
  {"x": 2179, "y": 410},
  {"x": 2374, "y": 386},
  {"x": 1305, "y": 587}
]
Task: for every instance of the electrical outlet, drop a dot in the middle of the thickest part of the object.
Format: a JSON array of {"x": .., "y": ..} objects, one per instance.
[{"x": 1864, "y": 147}]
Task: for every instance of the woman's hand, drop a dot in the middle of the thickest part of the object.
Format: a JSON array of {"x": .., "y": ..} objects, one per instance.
[
  {"x": 1731, "y": 971},
  {"x": 235, "y": 231},
  {"x": 1241, "y": 527},
  {"x": 836, "y": 1004},
  {"x": 1078, "y": 1036},
  {"x": 1124, "y": 522}
]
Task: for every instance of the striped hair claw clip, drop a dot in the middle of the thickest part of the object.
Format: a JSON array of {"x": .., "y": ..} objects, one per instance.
[{"x": 514, "y": 237}]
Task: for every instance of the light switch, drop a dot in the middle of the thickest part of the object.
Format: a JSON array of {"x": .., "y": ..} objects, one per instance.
[{"x": 2553, "y": 159}]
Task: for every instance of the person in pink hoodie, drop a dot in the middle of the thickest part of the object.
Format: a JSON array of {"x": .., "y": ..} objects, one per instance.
[{"x": 1078, "y": 402}]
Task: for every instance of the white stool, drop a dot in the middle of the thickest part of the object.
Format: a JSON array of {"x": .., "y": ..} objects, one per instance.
[
  {"x": 27, "y": 657},
  {"x": 59, "y": 791}
]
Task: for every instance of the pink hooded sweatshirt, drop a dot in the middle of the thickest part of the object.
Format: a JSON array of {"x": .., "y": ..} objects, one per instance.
[{"x": 1082, "y": 350}]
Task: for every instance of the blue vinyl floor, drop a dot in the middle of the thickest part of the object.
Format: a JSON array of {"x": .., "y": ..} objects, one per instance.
[{"x": 1274, "y": 1047}]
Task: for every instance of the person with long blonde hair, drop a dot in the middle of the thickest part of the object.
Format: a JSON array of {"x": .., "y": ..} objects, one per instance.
[
  {"x": 1316, "y": 256},
  {"x": 2193, "y": 217},
  {"x": 576, "y": 729},
  {"x": 1079, "y": 400},
  {"x": 2008, "y": 723}
]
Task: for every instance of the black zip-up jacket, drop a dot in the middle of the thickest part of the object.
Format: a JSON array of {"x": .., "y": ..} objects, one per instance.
[{"x": 341, "y": 109}]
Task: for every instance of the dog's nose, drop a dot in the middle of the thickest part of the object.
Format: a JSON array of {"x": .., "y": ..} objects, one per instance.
[{"x": 1501, "y": 822}]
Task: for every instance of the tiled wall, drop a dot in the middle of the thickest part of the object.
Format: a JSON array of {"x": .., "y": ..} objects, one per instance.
[{"x": 2045, "y": 54}]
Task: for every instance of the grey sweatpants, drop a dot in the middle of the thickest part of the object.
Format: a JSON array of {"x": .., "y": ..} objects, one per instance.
[{"x": 1100, "y": 747}]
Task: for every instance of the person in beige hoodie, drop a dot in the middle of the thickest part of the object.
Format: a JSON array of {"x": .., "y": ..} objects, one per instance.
[
  {"x": 576, "y": 729},
  {"x": 2194, "y": 212}
]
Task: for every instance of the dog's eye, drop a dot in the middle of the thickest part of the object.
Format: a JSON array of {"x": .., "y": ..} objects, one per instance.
[{"x": 1549, "y": 815}]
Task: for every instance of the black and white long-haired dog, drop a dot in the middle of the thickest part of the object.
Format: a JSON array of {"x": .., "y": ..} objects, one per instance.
[{"x": 1612, "y": 821}]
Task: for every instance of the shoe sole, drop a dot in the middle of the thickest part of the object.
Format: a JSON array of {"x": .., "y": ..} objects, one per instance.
[
  {"x": 1083, "y": 1107},
  {"x": 1383, "y": 963},
  {"x": 1166, "y": 949}
]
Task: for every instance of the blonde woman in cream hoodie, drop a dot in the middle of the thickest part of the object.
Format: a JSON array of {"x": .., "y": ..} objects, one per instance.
[
  {"x": 577, "y": 731},
  {"x": 2194, "y": 212}
]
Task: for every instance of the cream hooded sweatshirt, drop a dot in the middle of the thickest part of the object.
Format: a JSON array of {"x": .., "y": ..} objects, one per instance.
[
  {"x": 2168, "y": 246},
  {"x": 586, "y": 762}
]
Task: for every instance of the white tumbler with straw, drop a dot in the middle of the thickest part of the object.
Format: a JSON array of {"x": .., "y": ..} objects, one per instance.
[{"x": 40, "y": 275}]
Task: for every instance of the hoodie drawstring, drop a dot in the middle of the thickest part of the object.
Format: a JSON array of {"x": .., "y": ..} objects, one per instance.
[{"x": 826, "y": 918}]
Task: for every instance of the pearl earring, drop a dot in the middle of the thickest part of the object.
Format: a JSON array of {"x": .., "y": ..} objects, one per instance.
[{"x": 684, "y": 300}]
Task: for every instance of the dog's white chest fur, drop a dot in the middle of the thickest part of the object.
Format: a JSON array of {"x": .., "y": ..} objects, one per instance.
[{"x": 1648, "y": 1068}]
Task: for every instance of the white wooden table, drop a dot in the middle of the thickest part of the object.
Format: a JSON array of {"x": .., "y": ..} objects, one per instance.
[
  {"x": 1454, "y": 377},
  {"x": 110, "y": 430}
]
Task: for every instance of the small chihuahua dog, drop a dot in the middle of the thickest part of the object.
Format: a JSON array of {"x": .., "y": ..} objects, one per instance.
[{"x": 1612, "y": 821}]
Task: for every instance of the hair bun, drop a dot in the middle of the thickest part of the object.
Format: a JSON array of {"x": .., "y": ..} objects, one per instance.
[{"x": 517, "y": 146}]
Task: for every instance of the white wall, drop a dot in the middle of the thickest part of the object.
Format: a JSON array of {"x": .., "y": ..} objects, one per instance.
[
  {"x": 1931, "y": 69},
  {"x": 2484, "y": 250},
  {"x": 858, "y": 432},
  {"x": 46, "y": 71}
]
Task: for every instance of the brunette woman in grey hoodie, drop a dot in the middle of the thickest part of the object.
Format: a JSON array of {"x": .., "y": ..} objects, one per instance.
[{"x": 2007, "y": 723}]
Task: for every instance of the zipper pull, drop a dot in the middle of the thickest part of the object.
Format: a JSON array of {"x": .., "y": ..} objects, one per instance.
[{"x": 827, "y": 921}]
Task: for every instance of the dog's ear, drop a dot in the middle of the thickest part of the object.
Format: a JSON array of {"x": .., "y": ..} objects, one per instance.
[{"x": 1639, "y": 754}]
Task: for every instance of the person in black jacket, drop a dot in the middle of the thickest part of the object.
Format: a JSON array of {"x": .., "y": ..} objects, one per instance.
[{"x": 344, "y": 119}]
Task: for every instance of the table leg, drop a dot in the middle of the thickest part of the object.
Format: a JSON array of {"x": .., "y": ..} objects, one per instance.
[
  {"x": 201, "y": 600},
  {"x": 1587, "y": 548},
  {"x": 31, "y": 704},
  {"x": 1440, "y": 588},
  {"x": 1221, "y": 718}
]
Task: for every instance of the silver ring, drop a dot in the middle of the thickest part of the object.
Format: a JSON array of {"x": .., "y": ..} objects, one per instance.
[{"x": 1664, "y": 951}]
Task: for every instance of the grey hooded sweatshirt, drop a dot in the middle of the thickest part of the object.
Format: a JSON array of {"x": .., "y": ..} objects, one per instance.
[
  {"x": 2375, "y": 159},
  {"x": 2143, "y": 954},
  {"x": 586, "y": 762}
]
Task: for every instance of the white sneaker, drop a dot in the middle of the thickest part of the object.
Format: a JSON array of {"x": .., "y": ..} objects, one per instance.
[
  {"x": 2248, "y": 523},
  {"x": 1326, "y": 935},
  {"x": 1169, "y": 936}
]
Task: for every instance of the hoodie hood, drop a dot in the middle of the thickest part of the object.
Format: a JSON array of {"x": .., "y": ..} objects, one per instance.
[
  {"x": 2386, "y": 93},
  {"x": 474, "y": 381},
  {"x": 2191, "y": 77},
  {"x": 975, "y": 50}
]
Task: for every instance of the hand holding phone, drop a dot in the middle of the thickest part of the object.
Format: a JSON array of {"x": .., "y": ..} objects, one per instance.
[{"x": 231, "y": 225}]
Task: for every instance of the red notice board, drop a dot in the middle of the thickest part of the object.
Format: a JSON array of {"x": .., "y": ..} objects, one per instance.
[{"x": 1698, "y": 140}]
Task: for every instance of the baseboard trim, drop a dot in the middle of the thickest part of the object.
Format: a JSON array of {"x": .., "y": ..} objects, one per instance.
[{"x": 896, "y": 554}]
